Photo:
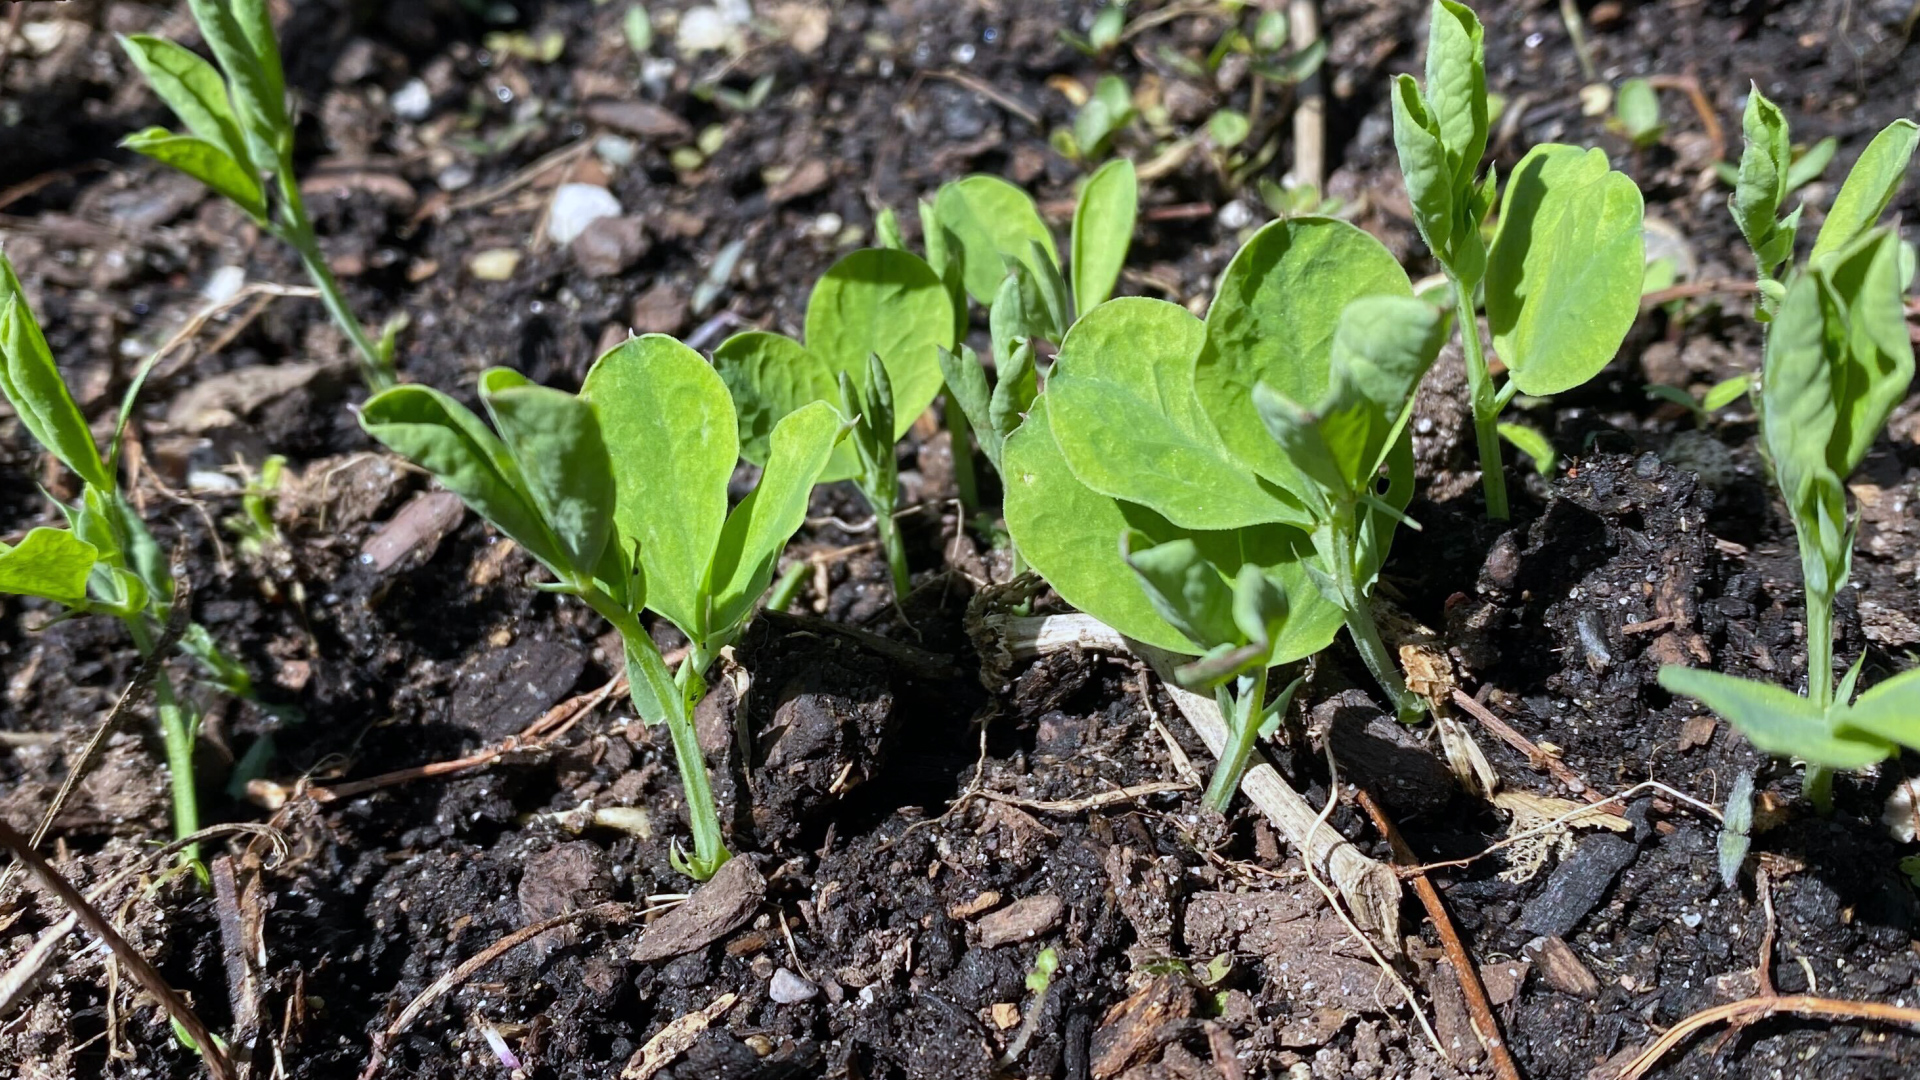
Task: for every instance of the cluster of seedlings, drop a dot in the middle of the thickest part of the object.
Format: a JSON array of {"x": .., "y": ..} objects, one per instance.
[{"x": 1226, "y": 488}]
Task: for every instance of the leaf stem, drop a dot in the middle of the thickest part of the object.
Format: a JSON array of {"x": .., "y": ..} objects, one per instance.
[
  {"x": 1244, "y": 732},
  {"x": 1340, "y": 542},
  {"x": 1820, "y": 647},
  {"x": 896, "y": 549},
  {"x": 703, "y": 814},
  {"x": 177, "y": 732},
  {"x": 787, "y": 586},
  {"x": 296, "y": 229},
  {"x": 1486, "y": 403}
]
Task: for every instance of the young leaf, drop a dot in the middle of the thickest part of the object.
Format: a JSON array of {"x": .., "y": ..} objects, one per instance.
[
  {"x": 555, "y": 441},
  {"x": 1875, "y": 366},
  {"x": 885, "y": 302},
  {"x": 1066, "y": 531},
  {"x": 1564, "y": 273},
  {"x": 1183, "y": 588},
  {"x": 1889, "y": 711},
  {"x": 771, "y": 375},
  {"x": 1273, "y": 321},
  {"x": 1018, "y": 314},
  {"x": 205, "y": 162},
  {"x": 256, "y": 25},
  {"x": 440, "y": 435},
  {"x": 967, "y": 385},
  {"x": 990, "y": 221},
  {"x": 1869, "y": 187},
  {"x": 1726, "y": 392},
  {"x": 1735, "y": 828},
  {"x": 1014, "y": 394},
  {"x": 1637, "y": 108},
  {"x": 1535, "y": 445},
  {"x": 1051, "y": 287},
  {"x": 1776, "y": 720},
  {"x": 259, "y": 98},
  {"x": 670, "y": 429},
  {"x": 1456, "y": 89},
  {"x": 192, "y": 89},
  {"x": 1763, "y": 171},
  {"x": 34, "y": 388},
  {"x": 51, "y": 563},
  {"x": 1260, "y": 606},
  {"x": 1102, "y": 232},
  {"x": 1125, "y": 417},
  {"x": 1808, "y": 166},
  {"x": 767, "y": 518},
  {"x": 1425, "y": 166},
  {"x": 1798, "y": 410}
]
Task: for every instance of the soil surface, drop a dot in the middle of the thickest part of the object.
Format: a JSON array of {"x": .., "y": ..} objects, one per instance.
[{"x": 917, "y": 820}]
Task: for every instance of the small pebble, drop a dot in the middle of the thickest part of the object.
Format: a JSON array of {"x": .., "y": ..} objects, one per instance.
[
  {"x": 1235, "y": 216},
  {"x": 1691, "y": 919},
  {"x": 223, "y": 284},
  {"x": 616, "y": 150},
  {"x": 788, "y": 988},
  {"x": 576, "y": 206},
  {"x": 413, "y": 101},
  {"x": 494, "y": 264}
]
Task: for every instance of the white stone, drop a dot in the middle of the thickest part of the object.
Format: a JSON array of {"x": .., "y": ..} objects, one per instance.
[
  {"x": 413, "y": 101},
  {"x": 788, "y": 988},
  {"x": 703, "y": 29},
  {"x": 223, "y": 284},
  {"x": 576, "y": 206}
]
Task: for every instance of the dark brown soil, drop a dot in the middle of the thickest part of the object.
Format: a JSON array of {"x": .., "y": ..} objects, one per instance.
[{"x": 865, "y": 769}]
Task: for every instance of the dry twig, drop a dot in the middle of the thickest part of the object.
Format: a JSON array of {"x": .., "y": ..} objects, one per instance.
[{"x": 1478, "y": 1006}]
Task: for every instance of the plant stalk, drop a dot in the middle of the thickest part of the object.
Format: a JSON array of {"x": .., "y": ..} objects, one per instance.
[
  {"x": 177, "y": 734},
  {"x": 1339, "y": 541},
  {"x": 959, "y": 435},
  {"x": 786, "y": 588},
  {"x": 297, "y": 231},
  {"x": 1240, "y": 741},
  {"x": 896, "y": 549},
  {"x": 1486, "y": 403},
  {"x": 703, "y": 815}
]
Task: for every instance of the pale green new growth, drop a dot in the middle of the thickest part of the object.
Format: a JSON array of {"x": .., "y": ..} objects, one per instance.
[
  {"x": 621, "y": 493},
  {"x": 1564, "y": 273},
  {"x": 238, "y": 130}
]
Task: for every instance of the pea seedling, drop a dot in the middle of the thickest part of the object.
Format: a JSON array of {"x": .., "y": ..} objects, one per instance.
[
  {"x": 621, "y": 493},
  {"x": 1838, "y": 359},
  {"x": 1178, "y": 429},
  {"x": 876, "y": 310},
  {"x": 1563, "y": 275},
  {"x": 238, "y": 129},
  {"x": 105, "y": 561}
]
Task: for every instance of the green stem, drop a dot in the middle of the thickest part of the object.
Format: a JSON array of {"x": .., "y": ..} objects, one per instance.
[
  {"x": 1819, "y": 648},
  {"x": 786, "y": 588},
  {"x": 297, "y": 231},
  {"x": 959, "y": 434},
  {"x": 703, "y": 814},
  {"x": 1243, "y": 731},
  {"x": 1817, "y": 785},
  {"x": 1338, "y": 541},
  {"x": 1486, "y": 404},
  {"x": 177, "y": 732},
  {"x": 896, "y": 549}
]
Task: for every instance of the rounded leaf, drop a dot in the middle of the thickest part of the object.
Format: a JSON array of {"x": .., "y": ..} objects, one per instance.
[
  {"x": 770, "y": 376},
  {"x": 1564, "y": 274},
  {"x": 1273, "y": 320},
  {"x": 992, "y": 221},
  {"x": 887, "y": 302}
]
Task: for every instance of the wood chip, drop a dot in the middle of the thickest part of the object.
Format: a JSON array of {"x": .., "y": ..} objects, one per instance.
[
  {"x": 1696, "y": 731},
  {"x": 1133, "y": 1029},
  {"x": 1561, "y": 969},
  {"x": 1503, "y": 979},
  {"x": 419, "y": 526},
  {"x": 967, "y": 909},
  {"x": 1005, "y": 1015},
  {"x": 1022, "y": 920},
  {"x": 716, "y": 909},
  {"x": 674, "y": 1039}
]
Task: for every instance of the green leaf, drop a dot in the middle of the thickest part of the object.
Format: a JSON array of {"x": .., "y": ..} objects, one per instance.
[
  {"x": 638, "y": 28},
  {"x": 1425, "y": 167},
  {"x": 440, "y": 435},
  {"x": 759, "y": 528},
  {"x": 670, "y": 429},
  {"x": 1564, "y": 274},
  {"x": 1183, "y": 588},
  {"x": 33, "y": 386},
  {"x": 1726, "y": 392},
  {"x": 1798, "y": 411},
  {"x": 1869, "y": 187},
  {"x": 1808, "y": 166},
  {"x": 256, "y": 25},
  {"x": 1106, "y": 111},
  {"x": 1014, "y": 393},
  {"x": 769, "y": 376},
  {"x": 1872, "y": 371},
  {"x": 1102, "y": 232},
  {"x": 192, "y": 89},
  {"x": 1273, "y": 320},
  {"x": 1533, "y": 444},
  {"x": 1228, "y": 128},
  {"x": 1050, "y": 286},
  {"x": 1456, "y": 87},
  {"x": 1637, "y": 106},
  {"x": 655, "y": 695},
  {"x": 1776, "y": 720},
  {"x": 204, "y": 162},
  {"x": 886, "y": 302},
  {"x": 886, "y": 232},
  {"x": 259, "y": 98},
  {"x": 51, "y": 563},
  {"x": 1763, "y": 170},
  {"x": 555, "y": 441},
  {"x": 1125, "y": 416},
  {"x": 1066, "y": 532},
  {"x": 989, "y": 222},
  {"x": 1889, "y": 711},
  {"x": 1018, "y": 314},
  {"x": 1260, "y": 606}
]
